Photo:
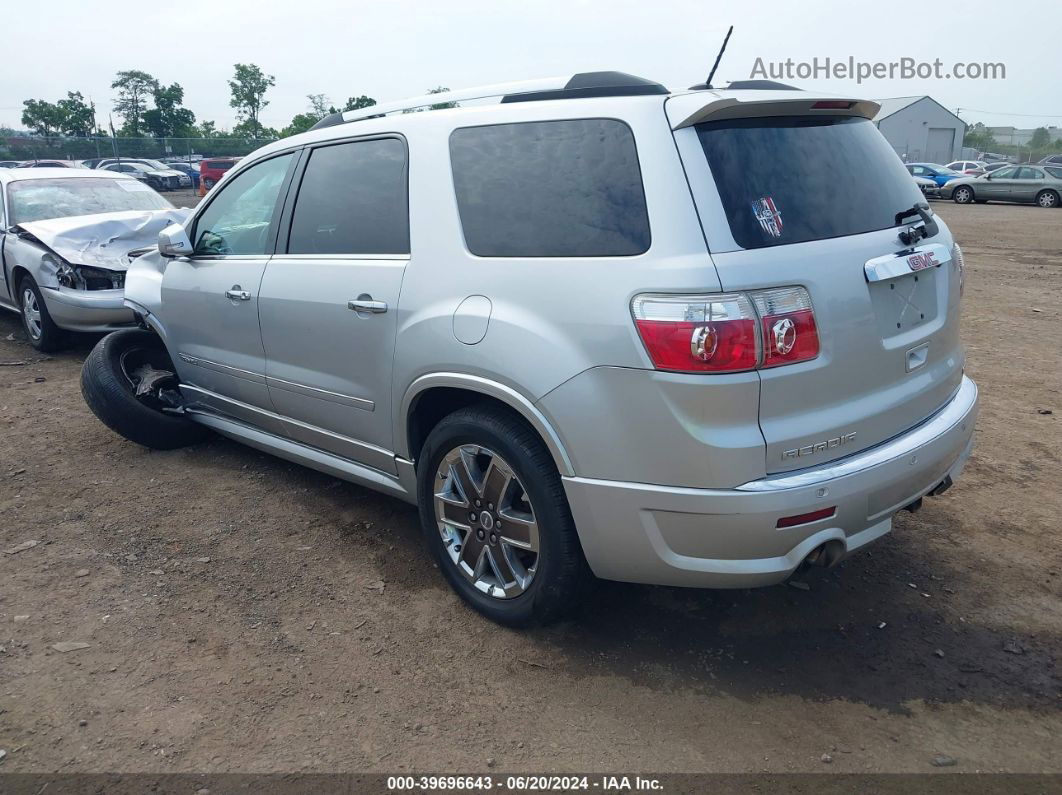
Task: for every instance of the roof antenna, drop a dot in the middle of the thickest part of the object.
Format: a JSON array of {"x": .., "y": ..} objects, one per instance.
[{"x": 707, "y": 84}]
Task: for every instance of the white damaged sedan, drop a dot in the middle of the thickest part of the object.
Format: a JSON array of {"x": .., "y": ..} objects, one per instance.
[{"x": 67, "y": 239}]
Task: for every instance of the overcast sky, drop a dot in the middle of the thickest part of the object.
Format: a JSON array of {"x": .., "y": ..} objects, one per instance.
[{"x": 391, "y": 49}]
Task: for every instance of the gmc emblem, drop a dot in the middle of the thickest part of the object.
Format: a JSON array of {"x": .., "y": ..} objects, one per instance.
[{"x": 921, "y": 261}]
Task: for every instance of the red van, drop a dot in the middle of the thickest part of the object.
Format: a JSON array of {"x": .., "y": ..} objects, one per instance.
[{"x": 211, "y": 169}]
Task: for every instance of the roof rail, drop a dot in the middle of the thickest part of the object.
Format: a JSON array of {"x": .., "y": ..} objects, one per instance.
[{"x": 587, "y": 84}]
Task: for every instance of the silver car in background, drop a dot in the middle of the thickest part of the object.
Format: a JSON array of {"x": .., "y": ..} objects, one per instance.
[
  {"x": 66, "y": 240},
  {"x": 595, "y": 326},
  {"x": 929, "y": 188},
  {"x": 1041, "y": 185}
]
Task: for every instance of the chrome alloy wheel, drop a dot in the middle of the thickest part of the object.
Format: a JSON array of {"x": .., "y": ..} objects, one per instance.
[
  {"x": 486, "y": 522},
  {"x": 32, "y": 313}
]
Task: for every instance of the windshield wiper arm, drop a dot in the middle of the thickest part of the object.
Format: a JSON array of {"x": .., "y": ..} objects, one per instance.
[{"x": 929, "y": 224}]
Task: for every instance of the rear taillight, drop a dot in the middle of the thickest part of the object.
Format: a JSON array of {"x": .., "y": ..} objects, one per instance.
[
  {"x": 960, "y": 263},
  {"x": 727, "y": 332},
  {"x": 788, "y": 323},
  {"x": 698, "y": 333}
]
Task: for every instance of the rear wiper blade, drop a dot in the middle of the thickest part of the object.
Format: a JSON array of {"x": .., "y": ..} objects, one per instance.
[{"x": 929, "y": 224}]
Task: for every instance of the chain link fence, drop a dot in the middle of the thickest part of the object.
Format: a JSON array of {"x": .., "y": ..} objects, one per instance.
[{"x": 34, "y": 147}]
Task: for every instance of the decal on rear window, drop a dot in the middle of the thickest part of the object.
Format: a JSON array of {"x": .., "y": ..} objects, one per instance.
[{"x": 768, "y": 215}]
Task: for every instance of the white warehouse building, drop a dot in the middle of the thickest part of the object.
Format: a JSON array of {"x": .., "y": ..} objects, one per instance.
[{"x": 920, "y": 129}]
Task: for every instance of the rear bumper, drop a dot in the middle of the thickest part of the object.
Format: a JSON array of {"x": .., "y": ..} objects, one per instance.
[
  {"x": 88, "y": 310},
  {"x": 728, "y": 538}
]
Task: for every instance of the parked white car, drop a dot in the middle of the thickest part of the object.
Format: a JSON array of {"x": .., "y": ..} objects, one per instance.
[{"x": 67, "y": 238}]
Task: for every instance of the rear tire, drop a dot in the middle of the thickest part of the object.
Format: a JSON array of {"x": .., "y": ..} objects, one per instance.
[
  {"x": 557, "y": 568},
  {"x": 110, "y": 391},
  {"x": 962, "y": 195},
  {"x": 43, "y": 334},
  {"x": 1047, "y": 199}
]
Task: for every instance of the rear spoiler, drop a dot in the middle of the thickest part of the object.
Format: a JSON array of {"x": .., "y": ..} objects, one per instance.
[{"x": 685, "y": 110}]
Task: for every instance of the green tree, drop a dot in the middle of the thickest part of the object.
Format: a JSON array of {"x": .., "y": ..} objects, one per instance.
[
  {"x": 168, "y": 119},
  {"x": 209, "y": 129},
  {"x": 300, "y": 124},
  {"x": 134, "y": 88},
  {"x": 249, "y": 86},
  {"x": 252, "y": 131},
  {"x": 319, "y": 106},
  {"x": 357, "y": 103},
  {"x": 78, "y": 116},
  {"x": 1041, "y": 138},
  {"x": 42, "y": 117},
  {"x": 978, "y": 137}
]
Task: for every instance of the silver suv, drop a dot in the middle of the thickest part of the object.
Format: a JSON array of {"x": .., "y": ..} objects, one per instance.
[{"x": 703, "y": 338}]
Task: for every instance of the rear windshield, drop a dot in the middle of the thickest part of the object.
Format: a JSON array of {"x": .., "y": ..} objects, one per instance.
[
  {"x": 40, "y": 199},
  {"x": 792, "y": 179}
]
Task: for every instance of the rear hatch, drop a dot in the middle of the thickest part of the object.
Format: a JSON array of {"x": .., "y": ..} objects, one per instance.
[{"x": 797, "y": 195}]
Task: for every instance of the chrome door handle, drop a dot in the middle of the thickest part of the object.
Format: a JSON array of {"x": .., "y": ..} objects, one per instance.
[
  {"x": 364, "y": 303},
  {"x": 237, "y": 294}
]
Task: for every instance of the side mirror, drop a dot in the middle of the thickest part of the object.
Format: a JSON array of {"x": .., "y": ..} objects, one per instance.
[{"x": 174, "y": 242}]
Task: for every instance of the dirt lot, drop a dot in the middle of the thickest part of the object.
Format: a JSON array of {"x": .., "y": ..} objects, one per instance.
[
  {"x": 245, "y": 614},
  {"x": 183, "y": 198}
]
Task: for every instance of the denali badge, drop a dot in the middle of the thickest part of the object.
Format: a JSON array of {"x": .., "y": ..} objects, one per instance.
[{"x": 818, "y": 447}]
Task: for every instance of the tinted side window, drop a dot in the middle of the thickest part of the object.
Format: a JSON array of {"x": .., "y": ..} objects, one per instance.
[
  {"x": 353, "y": 200},
  {"x": 1030, "y": 173},
  {"x": 1005, "y": 173},
  {"x": 238, "y": 220},
  {"x": 550, "y": 189},
  {"x": 1054, "y": 172}
]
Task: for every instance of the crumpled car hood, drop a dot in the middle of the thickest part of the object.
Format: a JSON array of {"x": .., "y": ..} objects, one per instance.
[{"x": 105, "y": 239}]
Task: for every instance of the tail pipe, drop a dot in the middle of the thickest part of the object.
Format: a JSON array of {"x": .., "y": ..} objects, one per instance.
[{"x": 825, "y": 555}]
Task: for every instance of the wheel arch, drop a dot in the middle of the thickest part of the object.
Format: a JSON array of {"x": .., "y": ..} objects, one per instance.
[
  {"x": 17, "y": 274},
  {"x": 431, "y": 397}
]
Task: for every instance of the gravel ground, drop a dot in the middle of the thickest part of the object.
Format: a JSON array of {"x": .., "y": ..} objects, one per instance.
[
  {"x": 183, "y": 198},
  {"x": 234, "y": 612}
]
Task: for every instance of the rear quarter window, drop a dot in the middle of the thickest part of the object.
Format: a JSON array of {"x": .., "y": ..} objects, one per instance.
[
  {"x": 792, "y": 179},
  {"x": 570, "y": 188}
]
